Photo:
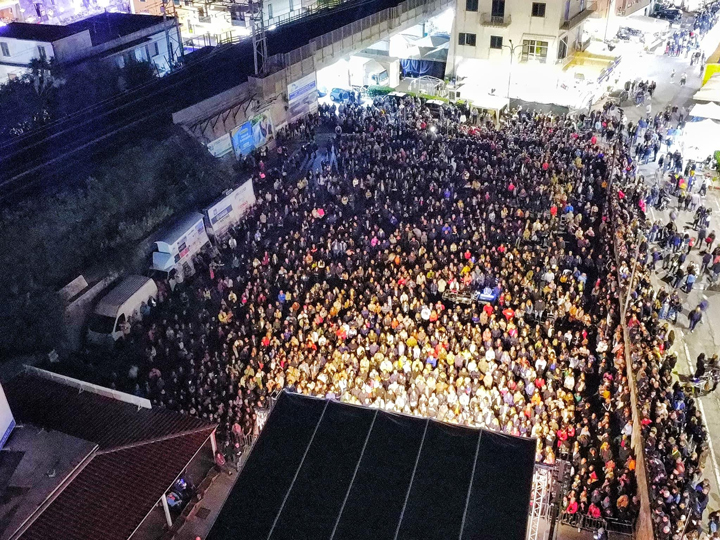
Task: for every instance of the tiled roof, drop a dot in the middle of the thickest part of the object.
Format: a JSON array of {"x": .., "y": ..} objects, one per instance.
[
  {"x": 112, "y": 495},
  {"x": 105, "y": 421}
]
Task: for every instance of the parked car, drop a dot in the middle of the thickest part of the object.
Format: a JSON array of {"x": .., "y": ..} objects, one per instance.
[
  {"x": 340, "y": 95},
  {"x": 322, "y": 91},
  {"x": 668, "y": 14}
]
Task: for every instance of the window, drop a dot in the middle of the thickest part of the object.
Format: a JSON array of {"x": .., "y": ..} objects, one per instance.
[
  {"x": 290, "y": 5},
  {"x": 498, "y": 8},
  {"x": 496, "y": 42},
  {"x": 4, "y": 48},
  {"x": 534, "y": 51},
  {"x": 41, "y": 52},
  {"x": 270, "y": 11},
  {"x": 562, "y": 48},
  {"x": 156, "y": 49},
  {"x": 538, "y": 9},
  {"x": 471, "y": 5},
  {"x": 466, "y": 39}
]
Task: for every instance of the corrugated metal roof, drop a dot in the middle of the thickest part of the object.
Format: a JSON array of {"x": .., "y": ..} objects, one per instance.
[
  {"x": 105, "y": 421},
  {"x": 113, "y": 494}
]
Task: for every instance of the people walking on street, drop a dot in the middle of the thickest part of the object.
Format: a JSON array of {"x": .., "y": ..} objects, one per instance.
[
  {"x": 672, "y": 75},
  {"x": 683, "y": 79},
  {"x": 694, "y": 318}
]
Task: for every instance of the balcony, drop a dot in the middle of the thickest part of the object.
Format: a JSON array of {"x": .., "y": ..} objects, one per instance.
[
  {"x": 495, "y": 20},
  {"x": 572, "y": 22}
]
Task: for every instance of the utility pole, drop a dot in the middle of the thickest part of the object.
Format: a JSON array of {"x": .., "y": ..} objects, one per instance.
[
  {"x": 257, "y": 25},
  {"x": 512, "y": 54},
  {"x": 610, "y": 10},
  {"x": 167, "y": 35}
]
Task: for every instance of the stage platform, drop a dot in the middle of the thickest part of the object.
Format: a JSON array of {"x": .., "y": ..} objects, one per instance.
[{"x": 326, "y": 470}]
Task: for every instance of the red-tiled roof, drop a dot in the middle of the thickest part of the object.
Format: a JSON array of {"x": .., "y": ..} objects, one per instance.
[
  {"x": 112, "y": 495},
  {"x": 105, "y": 421}
]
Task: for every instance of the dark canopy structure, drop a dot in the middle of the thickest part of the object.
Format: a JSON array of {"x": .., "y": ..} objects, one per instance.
[{"x": 323, "y": 470}]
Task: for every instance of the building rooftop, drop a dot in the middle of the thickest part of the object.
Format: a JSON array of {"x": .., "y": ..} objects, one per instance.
[
  {"x": 109, "y": 26},
  {"x": 35, "y": 32},
  {"x": 102, "y": 28},
  {"x": 107, "y": 462},
  {"x": 114, "y": 493},
  {"x": 105, "y": 421},
  {"x": 33, "y": 464}
]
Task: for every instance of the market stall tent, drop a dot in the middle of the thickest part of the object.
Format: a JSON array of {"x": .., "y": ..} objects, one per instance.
[
  {"x": 701, "y": 139},
  {"x": 706, "y": 110}
]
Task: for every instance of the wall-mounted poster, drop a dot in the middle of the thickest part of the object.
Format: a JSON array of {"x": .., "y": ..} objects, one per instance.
[
  {"x": 262, "y": 129},
  {"x": 242, "y": 139},
  {"x": 221, "y": 146},
  {"x": 302, "y": 97}
]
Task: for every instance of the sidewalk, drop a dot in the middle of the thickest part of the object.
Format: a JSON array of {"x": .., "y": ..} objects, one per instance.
[{"x": 208, "y": 509}]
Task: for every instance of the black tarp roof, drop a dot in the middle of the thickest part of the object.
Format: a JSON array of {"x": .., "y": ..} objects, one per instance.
[{"x": 326, "y": 470}]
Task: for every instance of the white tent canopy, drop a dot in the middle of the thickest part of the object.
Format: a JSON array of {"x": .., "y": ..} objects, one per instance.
[
  {"x": 706, "y": 110},
  {"x": 701, "y": 139},
  {"x": 710, "y": 90},
  {"x": 707, "y": 94}
]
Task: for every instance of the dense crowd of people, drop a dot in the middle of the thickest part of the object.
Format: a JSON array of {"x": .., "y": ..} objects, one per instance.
[
  {"x": 356, "y": 277},
  {"x": 676, "y": 446}
]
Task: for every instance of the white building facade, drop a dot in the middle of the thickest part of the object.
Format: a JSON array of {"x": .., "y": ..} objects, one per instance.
[
  {"x": 114, "y": 38},
  {"x": 508, "y": 47}
]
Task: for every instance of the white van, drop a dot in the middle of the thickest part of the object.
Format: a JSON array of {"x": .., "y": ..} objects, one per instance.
[{"x": 117, "y": 306}]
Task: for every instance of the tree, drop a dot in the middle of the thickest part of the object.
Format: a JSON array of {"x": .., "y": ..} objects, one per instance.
[
  {"x": 49, "y": 91},
  {"x": 50, "y": 240}
]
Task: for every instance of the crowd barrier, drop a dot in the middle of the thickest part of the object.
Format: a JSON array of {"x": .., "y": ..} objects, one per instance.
[{"x": 588, "y": 523}]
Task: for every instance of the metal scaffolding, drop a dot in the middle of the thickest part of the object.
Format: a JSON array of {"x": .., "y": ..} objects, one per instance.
[
  {"x": 259, "y": 40},
  {"x": 542, "y": 480}
]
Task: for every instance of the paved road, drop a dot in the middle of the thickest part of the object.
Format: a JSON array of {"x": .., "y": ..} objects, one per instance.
[{"x": 706, "y": 337}]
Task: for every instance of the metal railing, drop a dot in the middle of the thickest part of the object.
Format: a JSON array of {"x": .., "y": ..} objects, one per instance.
[
  {"x": 576, "y": 19},
  {"x": 489, "y": 19},
  {"x": 588, "y": 523}
]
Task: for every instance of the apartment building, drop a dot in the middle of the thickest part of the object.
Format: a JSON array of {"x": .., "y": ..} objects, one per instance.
[{"x": 526, "y": 41}]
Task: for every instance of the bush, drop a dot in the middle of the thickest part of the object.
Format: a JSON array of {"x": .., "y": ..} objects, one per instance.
[{"x": 374, "y": 91}]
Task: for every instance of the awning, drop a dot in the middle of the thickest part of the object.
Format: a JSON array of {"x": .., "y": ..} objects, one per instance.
[
  {"x": 701, "y": 139},
  {"x": 707, "y": 94},
  {"x": 706, "y": 110}
]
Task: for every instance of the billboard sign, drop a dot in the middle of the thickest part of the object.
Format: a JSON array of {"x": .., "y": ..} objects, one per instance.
[
  {"x": 221, "y": 146},
  {"x": 7, "y": 421},
  {"x": 230, "y": 208},
  {"x": 302, "y": 97},
  {"x": 242, "y": 139},
  {"x": 262, "y": 129}
]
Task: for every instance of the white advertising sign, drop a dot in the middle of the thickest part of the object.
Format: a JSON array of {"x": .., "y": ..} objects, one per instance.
[
  {"x": 221, "y": 146},
  {"x": 302, "y": 97},
  {"x": 230, "y": 208}
]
